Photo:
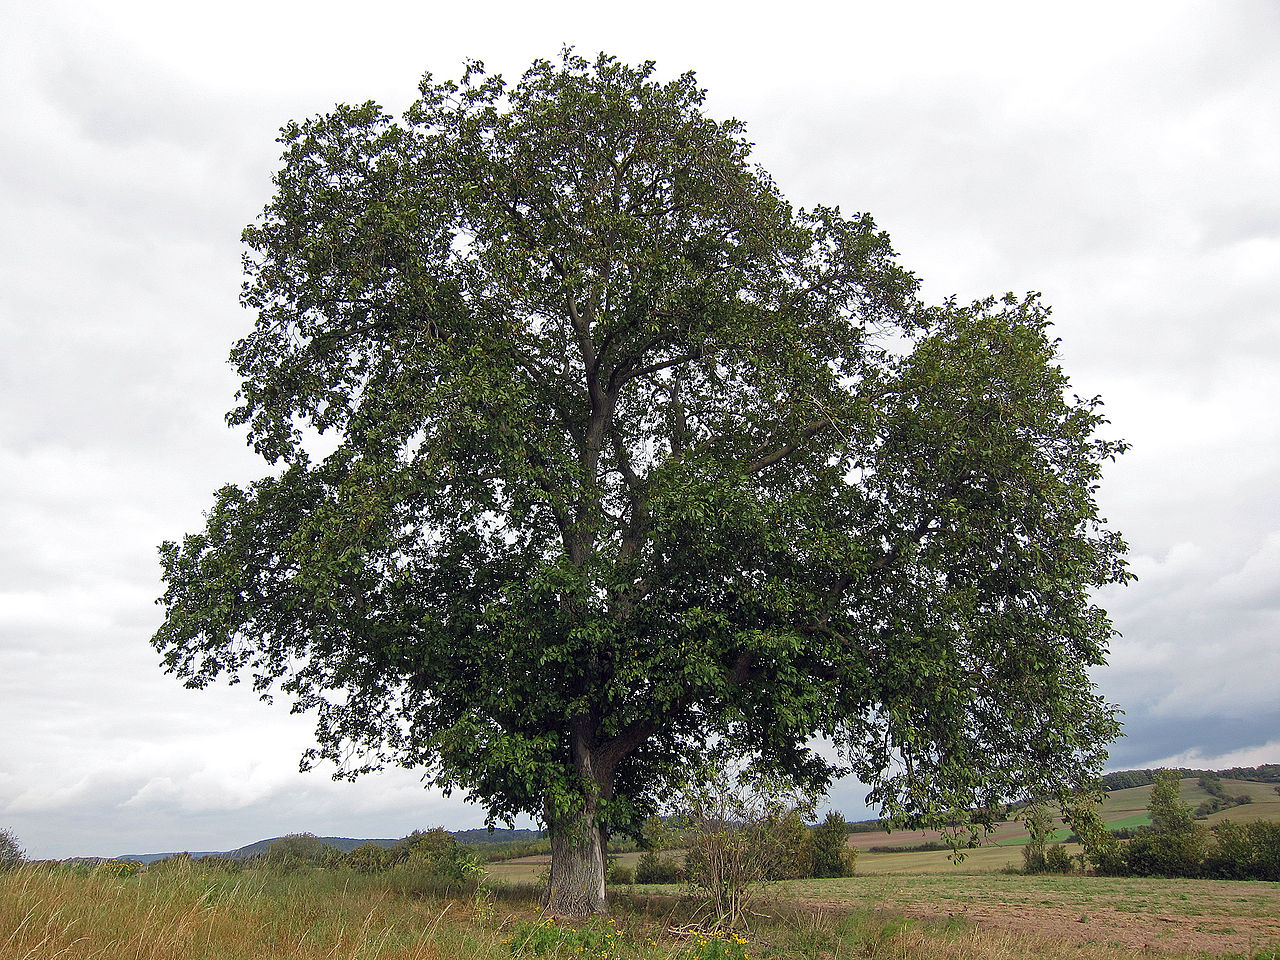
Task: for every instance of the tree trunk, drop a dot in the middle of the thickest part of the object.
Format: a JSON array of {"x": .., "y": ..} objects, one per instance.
[{"x": 577, "y": 865}]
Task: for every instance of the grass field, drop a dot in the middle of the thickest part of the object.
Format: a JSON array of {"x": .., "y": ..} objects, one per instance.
[
  {"x": 901, "y": 906},
  {"x": 313, "y": 914}
]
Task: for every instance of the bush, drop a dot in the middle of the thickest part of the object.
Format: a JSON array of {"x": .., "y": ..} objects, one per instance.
[
  {"x": 653, "y": 868},
  {"x": 1058, "y": 860},
  {"x": 295, "y": 851},
  {"x": 789, "y": 847},
  {"x": 1039, "y": 828},
  {"x": 1167, "y": 855},
  {"x": 832, "y": 855},
  {"x": 1109, "y": 859},
  {"x": 1244, "y": 851},
  {"x": 739, "y": 827},
  {"x": 11, "y": 852},
  {"x": 620, "y": 873},
  {"x": 434, "y": 862},
  {"x": 372, "y": 858}
]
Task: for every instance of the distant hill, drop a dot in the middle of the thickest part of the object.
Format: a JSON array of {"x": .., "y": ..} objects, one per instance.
[
  {"x": 497, "y": 835},
  {"x": 1124, "y": 779},
  {"x": 475, "y": 836},
  {"x": 345, "y": 844}
]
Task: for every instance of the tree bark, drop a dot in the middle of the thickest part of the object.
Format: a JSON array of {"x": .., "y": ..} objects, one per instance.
[{"x": 576, "y": 888}]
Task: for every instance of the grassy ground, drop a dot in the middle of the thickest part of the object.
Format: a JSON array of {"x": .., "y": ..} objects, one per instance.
[
  {"x": 903, "y": 905},
  {"x": 188, "y": 915}
]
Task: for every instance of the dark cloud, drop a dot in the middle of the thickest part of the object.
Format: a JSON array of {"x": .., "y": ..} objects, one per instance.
[{"x": 1204, "y": 742}]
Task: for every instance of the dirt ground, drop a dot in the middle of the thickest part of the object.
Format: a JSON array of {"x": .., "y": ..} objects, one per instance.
[{"x": 1243, "y": 920}]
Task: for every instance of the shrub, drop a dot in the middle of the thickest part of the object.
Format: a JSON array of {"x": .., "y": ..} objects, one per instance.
[
  {"x": 734, "y": 816},
  {"x": 832, "y": 855},
  {"x": 1244, "y": 851},
  {"x": 789, "y": 847},
  {"x": 653, "y": 868},
  {"x": 11, "y": 852},
  {"x": 297, "y": 850},
  {"x": 433, "y": 862},
  {"x": 620, "y": 873},
  {"x": 372, "y": 858},
  {"x": 1039, "y": 827},
  {"x": 1167, "y": 855},
  {"x": 1058, "y": 860},
  {"x": 1109, "y": 859}
]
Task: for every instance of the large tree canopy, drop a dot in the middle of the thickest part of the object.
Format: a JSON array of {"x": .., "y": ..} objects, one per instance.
[{"x": 625, "y": 456}]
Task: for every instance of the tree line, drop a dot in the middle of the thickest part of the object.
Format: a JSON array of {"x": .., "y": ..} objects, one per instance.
[{"x": 1124, "y": 779}]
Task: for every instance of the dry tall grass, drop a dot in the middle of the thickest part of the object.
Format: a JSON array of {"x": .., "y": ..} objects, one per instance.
[{"x": 186, "y": 913}]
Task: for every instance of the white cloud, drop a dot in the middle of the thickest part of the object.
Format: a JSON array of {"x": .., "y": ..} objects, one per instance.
[
  {"x": 1257, "y": 583},
  {"x": 1253, "y": 756}
]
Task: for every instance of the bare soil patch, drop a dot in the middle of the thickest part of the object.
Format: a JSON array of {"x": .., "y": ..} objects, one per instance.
[{"x": 1167, "y": 916}]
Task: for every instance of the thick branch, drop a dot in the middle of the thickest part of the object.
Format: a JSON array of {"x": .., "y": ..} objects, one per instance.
[
  {"x": 808, "y": 432},
  {"x": 632, "y": 374}
]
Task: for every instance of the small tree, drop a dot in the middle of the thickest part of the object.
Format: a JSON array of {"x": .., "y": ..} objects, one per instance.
[
  {"x": 1174, "y": 845},
  {"x": 1101, "y": 848},
  {"x": 1169, "y": 815},
  {"x": 731, "y": 813},
  {"x": 1039, "y": 822},
  {"x": 11, "y": 852},
  {"x": 832, "y": 855}
]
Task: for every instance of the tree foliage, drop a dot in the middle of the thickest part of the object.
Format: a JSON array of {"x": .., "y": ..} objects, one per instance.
[{"x": 589, "y": 451}]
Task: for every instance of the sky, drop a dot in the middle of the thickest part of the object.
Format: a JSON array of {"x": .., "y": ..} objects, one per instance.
[{"x": 1122, "y": 158}]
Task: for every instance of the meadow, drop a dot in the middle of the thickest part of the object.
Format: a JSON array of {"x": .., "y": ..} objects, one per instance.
[
  {"x": 188, "y": 913},
  {"x": 901, "y": 905}
]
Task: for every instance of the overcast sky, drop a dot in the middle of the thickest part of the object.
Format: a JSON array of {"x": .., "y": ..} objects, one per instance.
[{"x": 1122, "y": 158}]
